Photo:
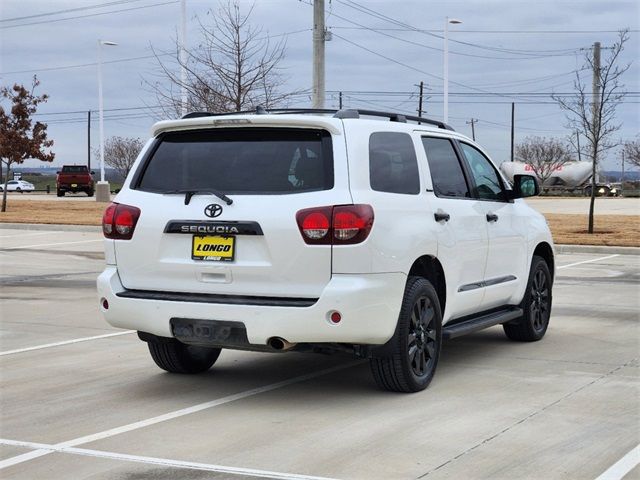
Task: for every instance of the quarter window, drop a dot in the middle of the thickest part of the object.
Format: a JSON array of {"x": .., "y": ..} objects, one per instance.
[
  {"x": 488, "y": 184},
  {"x": 393, "y": 166},
  {"x": 446, "y": 171}
]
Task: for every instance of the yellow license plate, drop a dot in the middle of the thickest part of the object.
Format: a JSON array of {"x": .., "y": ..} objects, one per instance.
[{"x": 215, "y": 248}]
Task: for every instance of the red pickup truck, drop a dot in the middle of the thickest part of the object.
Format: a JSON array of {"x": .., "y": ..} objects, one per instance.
[{"x": 74, "y": 178}]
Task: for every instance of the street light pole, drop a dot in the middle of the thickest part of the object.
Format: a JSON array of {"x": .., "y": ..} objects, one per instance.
[
  {"x": 448, "y": 21},
  {"x": 102, "y": 190}
]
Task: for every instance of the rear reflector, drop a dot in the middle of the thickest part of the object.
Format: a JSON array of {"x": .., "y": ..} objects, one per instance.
[
  {"x": 119, "y": 221},
  {"x": 335, "y": 225}
]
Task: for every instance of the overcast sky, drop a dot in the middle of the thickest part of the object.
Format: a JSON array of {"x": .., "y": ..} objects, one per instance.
[{"x": 510, "y": 47}]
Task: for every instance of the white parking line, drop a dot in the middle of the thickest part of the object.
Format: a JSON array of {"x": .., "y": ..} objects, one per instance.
[
  {"x": 66, "y": 342},
  {"x": 50, "y": 244},
  {"x": 623, "y": 466},
  {"x": 589, "y": 261},
  {"x": 29, "y": 234},
  {"x": 170, "y": 416},
  {"x": 165, "y": 462}
]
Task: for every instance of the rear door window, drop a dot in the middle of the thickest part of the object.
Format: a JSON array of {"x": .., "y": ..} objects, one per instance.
[
  {"x": 240, "y": 161},
  {"x": 446, "y": 170},
  {"x": 393, "y": 166}
]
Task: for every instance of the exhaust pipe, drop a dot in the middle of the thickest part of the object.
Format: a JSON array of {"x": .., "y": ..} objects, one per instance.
[{"x": 280, "y": 344}]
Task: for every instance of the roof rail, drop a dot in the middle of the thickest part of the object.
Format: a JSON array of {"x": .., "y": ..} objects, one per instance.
[{"x": 342, "y": 114}]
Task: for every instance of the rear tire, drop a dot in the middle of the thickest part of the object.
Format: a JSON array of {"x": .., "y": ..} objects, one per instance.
[
  {"x": 536, "y": 305},
  {"x": 407, "y": 363},
  {"x": 89, "y": 193},
  {"x": 176, "y": 357},
  {"x": 59, "y": 193}
]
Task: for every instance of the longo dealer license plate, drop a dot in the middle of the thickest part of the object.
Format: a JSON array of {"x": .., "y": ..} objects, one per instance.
[{"x": 215, "y": 248}]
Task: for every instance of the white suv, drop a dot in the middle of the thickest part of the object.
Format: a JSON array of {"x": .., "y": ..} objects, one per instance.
[{"x": 309, "y": 230}]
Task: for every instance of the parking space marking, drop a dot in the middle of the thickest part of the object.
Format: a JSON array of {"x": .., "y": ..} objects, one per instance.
[
  {"x": 623, "y": 466},
  {"x": 50, "y": 244},
  {"x": 29, "y": 234},
  {"x": 65, "y": 342},
  {"x": 165, "y": 462},
  {"x": 171, "y": 415},
  {"x": 589, "y": 261}
]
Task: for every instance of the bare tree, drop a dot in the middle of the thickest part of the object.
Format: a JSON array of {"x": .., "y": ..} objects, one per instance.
[
  {"x": 121, "y": 152},
  {"x": 543, "y": 155},
  {"x": 593, "y": 113},
  {"x": 20, "y": 138},
  {"x": 234, "y": 67},
  {"x": 632, "y": 152}
]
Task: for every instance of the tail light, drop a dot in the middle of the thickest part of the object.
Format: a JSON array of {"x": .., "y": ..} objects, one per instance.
[
  {"x": 336, "y": 225},
  {"x": 119, "y": 221}
]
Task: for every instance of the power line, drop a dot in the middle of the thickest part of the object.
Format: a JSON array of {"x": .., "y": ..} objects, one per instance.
[
  {"x": 380, "y": 16},
  {"x": 69, "y": 10},
  {"x": 524, "y": 32},
  {"x": 453, "y": 52},
  {"x": 89, "y": 15},
  {"x": 128, "y": 59}
]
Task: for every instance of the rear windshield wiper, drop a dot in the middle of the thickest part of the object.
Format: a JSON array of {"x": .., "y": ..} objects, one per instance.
[{"x": 191, "y": 193}]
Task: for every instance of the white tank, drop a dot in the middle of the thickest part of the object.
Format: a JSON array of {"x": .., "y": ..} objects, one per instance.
[{"x": 571, "y": 174}]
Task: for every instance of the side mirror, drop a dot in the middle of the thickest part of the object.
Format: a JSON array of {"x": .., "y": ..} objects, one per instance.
[
  {"x": 58, "y": 172},
  {"x": 525, "y": 186},
  {"x": 92, "y": 172}
]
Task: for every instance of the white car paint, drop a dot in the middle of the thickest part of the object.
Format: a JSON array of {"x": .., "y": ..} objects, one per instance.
[
  {"x": 18, "y": 185},
  {"x": 365, "y": 281}
]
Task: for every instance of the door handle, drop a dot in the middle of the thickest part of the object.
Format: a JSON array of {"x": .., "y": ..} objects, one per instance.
[
  {"x": 492, "y": 217},
  {"x": 441, "y": 217}
]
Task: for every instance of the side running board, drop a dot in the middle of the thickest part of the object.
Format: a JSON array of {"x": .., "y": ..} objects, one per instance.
[{"x": 462, "y": 327}]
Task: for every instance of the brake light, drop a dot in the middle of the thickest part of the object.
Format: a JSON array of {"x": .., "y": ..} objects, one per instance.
[
  {"x": 335, "y": 225},
  {"x": 119, "y": 221},
  {"x": 315, "y": 224}
]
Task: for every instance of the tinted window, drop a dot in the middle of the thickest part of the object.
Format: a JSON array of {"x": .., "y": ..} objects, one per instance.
[
  {"x": 446, "y": 171},
  {"x": 241, "y": 160},
  {"x": 488, "y": 183},
  {"x": 74, "y": 169},
  {"x": 393, "y": 166}
]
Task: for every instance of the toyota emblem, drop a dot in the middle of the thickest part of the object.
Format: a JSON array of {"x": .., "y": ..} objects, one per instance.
[{"x": 213, "y": 210}]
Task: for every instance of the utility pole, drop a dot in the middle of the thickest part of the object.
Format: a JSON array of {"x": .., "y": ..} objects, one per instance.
[
  {"x": 318, "y": 53},
  {"x": 595, "y": 106},
  {"x": 89, "y": 140},
  {"x": 578, "y": 144},
  {"x": 340, "y": 101},
  {"x": 622, "y": 177},
  {"x": 183, "y": 57},
  {"x": 472, "y": 122},
  {"x": 420, "y": 100},
  {"x": 513, "y": 116}
]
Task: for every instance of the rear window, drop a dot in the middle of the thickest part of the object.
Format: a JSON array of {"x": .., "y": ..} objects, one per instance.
[
  {"x": 74, "y": 169},
  {"x": 240, "y": 161}
]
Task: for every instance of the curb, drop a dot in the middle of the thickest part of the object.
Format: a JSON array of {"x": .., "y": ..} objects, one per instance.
[
  {"x": 597, "y": 249},
  {"x": 50, "y": 227}
]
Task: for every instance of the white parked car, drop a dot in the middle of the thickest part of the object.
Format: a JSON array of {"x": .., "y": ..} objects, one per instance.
[
  {"x": 350, "y": 231},
  {"x": 18, "y": 186}
]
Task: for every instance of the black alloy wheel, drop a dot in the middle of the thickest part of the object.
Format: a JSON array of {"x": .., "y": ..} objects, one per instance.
[
  {"x": 407, "y": 362},
  {"x": 422, "y": 337},
  {"x": 536, "y": 305},
  {"x": 539, "y": 306}
]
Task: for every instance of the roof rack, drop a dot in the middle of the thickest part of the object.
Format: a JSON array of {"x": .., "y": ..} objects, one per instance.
[{"x": 343, "y": 114}]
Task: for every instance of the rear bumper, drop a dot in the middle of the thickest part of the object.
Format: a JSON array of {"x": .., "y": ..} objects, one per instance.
[{"x": 369, "y": 305}]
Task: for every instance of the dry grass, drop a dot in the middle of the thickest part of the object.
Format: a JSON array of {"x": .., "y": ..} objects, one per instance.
[
  {"x": 54, "y": 212},
  {"x": 618, "y": 230},
  {"x": 610, "y": 230}
]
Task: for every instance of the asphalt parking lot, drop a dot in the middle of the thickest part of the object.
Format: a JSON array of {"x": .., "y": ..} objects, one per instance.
[{"x": 81, "y": 400}]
